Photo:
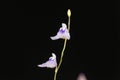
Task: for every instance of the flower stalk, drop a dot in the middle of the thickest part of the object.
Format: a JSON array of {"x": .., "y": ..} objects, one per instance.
[{"x": 64, "y": 46}]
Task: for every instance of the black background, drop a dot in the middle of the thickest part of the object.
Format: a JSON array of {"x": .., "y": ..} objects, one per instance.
[{"x": 93, "y": 48}]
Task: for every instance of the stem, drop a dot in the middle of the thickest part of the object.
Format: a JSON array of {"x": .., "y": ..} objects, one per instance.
[
  {"x": 61, "y": 59},
  {"x": 68, "y": 23},
  {"x": 62, "y": 53},
  {"x": 55, "y": 73},
  {"x": 57, "y": 68}
]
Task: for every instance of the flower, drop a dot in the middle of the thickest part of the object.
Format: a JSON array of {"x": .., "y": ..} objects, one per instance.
[
  {"x": 51, "y": 63},
  {"x": 63, "y": 33},
  {"x": 81, "y": 77}
]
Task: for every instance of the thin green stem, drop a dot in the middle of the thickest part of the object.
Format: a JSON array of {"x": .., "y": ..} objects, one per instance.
[
  {"x": 61, "y": 59},
  {"x": 55, "y": 73},
  {"x": 68, "y": 23},
  {"x": 62, "y": 53}
]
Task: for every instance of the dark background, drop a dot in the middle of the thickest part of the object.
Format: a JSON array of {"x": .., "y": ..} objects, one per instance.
[{"x": 93, "y": 48}]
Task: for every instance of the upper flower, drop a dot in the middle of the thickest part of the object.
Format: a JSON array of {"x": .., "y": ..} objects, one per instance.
[
  {"x": 51, "y": 63},
  {"x": 63, "y": 33}
]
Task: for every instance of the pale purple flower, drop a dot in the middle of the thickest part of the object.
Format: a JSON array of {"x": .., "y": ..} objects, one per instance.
[
  {"x": 63, "y": 33},
  {"x": 51, "y": 63},
  {"x": 81, "y": 76}
]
